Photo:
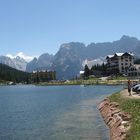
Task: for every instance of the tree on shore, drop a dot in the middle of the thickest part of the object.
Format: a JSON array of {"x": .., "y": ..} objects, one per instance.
[
  {"x": 95, "y": 70},
  {"x": 10, "y": 74},
  {"x": 87, "y": 71}
]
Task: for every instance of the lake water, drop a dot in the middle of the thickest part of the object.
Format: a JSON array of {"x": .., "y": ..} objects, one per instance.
[{"x": 52, "y": 113}]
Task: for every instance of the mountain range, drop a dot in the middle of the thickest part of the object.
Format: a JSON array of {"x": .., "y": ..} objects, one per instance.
[
  {"x": 71, "y": 57},
  {"x": 17, "y": 62}
]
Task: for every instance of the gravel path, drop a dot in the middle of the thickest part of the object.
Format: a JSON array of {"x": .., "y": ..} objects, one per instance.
[{"x": 125, "y": 94}]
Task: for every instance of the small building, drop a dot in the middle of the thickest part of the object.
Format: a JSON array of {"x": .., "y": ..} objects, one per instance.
[
  {"x": 81, "y": 74},
  {"x": 119, "y": 63},
  {"x": 134, "y": 71},
  {"x": 43, "y": 76}
]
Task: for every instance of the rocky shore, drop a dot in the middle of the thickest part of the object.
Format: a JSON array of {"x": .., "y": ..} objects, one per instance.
[{"x": 115, "y": 119}]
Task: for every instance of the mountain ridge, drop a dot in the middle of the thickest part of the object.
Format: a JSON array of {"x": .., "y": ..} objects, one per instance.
[
  {"x": 68, "y": 60},
  {"x": 17, "y": 62}
]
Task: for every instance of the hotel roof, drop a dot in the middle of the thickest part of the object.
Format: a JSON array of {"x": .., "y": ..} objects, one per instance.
[
  {"x": 110, "y": 56},
  {"x": 119, "y": 54}
]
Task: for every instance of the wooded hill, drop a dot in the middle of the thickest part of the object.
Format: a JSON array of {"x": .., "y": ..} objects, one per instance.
[{"x": 10, "y": 74}]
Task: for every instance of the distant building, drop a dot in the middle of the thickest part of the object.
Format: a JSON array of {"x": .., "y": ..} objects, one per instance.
[
  {"x": 43, "y": 76},
  {"x": 81, "y": 74},
  {"x": 119, "y": 63},
  {"x": 134, "y": 71}
]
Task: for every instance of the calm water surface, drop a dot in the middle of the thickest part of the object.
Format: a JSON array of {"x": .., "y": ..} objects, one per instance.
[{"x": 52, "y": 113}]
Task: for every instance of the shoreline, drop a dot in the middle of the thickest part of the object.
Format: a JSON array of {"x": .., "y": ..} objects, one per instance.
[
  {"x": 116, "y": 120},
  {"x": 78, "y": 82},
  {"x": 83, "y": 82},
  {"x": 120, "y": 113}
]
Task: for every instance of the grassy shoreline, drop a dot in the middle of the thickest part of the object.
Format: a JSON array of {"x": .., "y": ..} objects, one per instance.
[
  {"x": 84, "y": 82},
  {"x": 74, "y": 82},
  {"x": 132, "y": 107}
]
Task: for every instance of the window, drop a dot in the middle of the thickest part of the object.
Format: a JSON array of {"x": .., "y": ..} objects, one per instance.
[{"x": 132, "y": 69}]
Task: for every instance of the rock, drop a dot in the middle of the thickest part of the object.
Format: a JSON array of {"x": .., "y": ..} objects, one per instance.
[{"x": 116, "y": 120}]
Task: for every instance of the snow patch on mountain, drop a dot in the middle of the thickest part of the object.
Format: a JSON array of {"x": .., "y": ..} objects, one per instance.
[
  {"x": 90, "y": 63},
  {"x": 27, "y": 58}
]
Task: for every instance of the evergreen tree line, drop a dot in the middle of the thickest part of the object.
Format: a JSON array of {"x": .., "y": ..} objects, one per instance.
[
  {"x": 10, "y": 74},
  {"x": 137, "y": 61},
  {"x": 102, "y": 69}
]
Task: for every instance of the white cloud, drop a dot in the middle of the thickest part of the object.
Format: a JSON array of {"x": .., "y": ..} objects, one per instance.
[{"x": 22, "y": 55}]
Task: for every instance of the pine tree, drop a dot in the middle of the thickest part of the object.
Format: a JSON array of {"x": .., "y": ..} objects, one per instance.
[{"x": 87, "y": 71}]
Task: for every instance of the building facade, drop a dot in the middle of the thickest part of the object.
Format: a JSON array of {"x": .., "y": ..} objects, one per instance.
[
  {"x": 134, "y": 71},
  {"x": 119, "y": 63},
  {"x": 43, "y": 76}
]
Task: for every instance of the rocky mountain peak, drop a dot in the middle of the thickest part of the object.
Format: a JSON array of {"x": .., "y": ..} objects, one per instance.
[
  {"x": 128, "y": 38},
  {"x": 17, "y": 63},
  {"x": 18, "y": 58}
]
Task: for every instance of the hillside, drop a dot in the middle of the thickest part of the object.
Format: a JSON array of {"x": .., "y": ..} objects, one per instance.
[{"x": 10, "y": 74}]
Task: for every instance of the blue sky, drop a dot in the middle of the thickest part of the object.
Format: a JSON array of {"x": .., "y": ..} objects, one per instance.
[{"x": 38, "y": 26}]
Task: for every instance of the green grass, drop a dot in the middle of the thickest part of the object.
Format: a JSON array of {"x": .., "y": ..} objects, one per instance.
[
  {"x": 119, "y": 78},
  {"x": 132, "y": 107},
  {"x": 81, "y": 82},
  {"x": 93, "y": 78}
]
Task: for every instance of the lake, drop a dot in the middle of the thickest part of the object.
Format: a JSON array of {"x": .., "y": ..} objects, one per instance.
[{"x": 30, "y": 112}]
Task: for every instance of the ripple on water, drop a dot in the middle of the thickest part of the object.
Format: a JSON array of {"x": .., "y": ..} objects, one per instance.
[{"x": 81, "y": 123}]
